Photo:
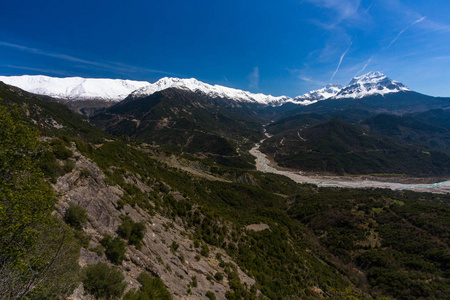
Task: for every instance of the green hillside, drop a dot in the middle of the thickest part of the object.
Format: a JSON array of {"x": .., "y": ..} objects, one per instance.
[
  {"x": 184, "y": 121},
  {"x": 338, "y": 147}
]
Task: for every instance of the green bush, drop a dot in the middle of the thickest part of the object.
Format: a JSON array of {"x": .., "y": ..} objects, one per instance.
[
  {"x": 103, "y": 281},
  {"x": 76, "y": 216},
  {"x": 99, "y": 249},
  {"x": 152, "y": 288},
  {"x": 60, "y": 151},
  {"x": 205, "y": 250},
  {"x": 218, "y": 276},
  {"x": 131, "y": 231},
  {"x": 210, "y": 295},
  {"x": 114, "y": 249},
  {"x": 194, "y": 282},
  {"x": 85, "y": 173}
]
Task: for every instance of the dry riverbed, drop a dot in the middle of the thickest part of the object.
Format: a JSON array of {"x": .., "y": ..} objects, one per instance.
[{"x": 264, "y": 164}]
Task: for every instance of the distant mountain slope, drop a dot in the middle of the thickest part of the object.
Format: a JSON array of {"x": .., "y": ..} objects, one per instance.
[
  {"x": 338, "y": 147},
  {"x": 409, "y": 129},
  {"x": 403, "y": 102},
  {"x": 75, "y": 88},
  {"x": 437, "y": 117},
  {"x": 55, "y": 118},
  {"x": 184, "y": 121}
]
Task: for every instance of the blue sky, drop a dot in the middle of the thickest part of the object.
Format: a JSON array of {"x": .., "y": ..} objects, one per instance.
[{"x": 273, "y": 47}]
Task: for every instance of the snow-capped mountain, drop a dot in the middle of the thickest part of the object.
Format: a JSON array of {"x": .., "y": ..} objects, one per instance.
[
  {"x": 373, "y": 83},
  {"x": 75, "y": 88},
  {"x": 327, "y": 92},
  {"x": 195, "y": 85}
]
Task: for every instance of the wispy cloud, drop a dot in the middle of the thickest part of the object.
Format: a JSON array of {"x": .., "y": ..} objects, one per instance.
[
  {"x": 344, "y": 9},
  {"x": 40, "y": 70},
  {"x": 340, "y": 61},
  {"x": 370, "y": 6},
  {"x": 402, "y": 31},
  {"x": 311, "y": 81},
  {"x": 112, "y": 66},
  {"x": 253, "y": 77}
]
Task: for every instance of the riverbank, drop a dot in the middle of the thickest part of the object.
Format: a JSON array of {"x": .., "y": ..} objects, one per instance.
[{"x": 263, "y": 164}]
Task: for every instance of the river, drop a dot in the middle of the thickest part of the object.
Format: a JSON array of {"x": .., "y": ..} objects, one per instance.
[{"x": 263, "y": 164}]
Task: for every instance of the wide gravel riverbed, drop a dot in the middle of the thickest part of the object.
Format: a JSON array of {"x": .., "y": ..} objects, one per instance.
[{"x": 263, "y": 164}]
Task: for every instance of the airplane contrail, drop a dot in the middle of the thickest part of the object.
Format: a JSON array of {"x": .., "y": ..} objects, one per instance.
[
  {"x": 365, "y": 66},
  {"x": 340, "y": 61},
  {"x": 401, "y": 32}
]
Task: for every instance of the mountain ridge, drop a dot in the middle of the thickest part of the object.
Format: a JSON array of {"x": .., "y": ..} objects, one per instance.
[
  {"x": 75, "y": 88},
  {"x": 116, "y": 90}
]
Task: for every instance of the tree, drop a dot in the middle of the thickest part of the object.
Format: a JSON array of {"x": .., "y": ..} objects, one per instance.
[
  {"x": 25, "y": 198},
  {"x": 33, "y": 246}
]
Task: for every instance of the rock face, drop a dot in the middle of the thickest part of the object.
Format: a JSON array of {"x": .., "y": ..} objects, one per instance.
[{"x": 156, "y": 256}]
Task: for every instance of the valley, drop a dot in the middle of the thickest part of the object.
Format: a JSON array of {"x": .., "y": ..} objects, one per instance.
[
  {"x": 265, "y": 165},
  {"x": 184, "y": 190}
]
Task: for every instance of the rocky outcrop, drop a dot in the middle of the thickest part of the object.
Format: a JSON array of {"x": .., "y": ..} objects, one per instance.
[{"x": 86, "y": 186}]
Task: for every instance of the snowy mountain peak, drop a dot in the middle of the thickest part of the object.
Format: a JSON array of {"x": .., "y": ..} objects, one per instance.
[
  {"x": 218, "y": 91},
  {"x": 372, "y": 83},
  {"x": 75, "y": 88},
  {"x": 329, "y": 91}
]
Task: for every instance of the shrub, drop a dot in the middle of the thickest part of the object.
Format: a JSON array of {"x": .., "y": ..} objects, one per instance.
[
  {"x": 76, "y": 216},
  {"x": 60, "y": 151},
  {"x": 218, "y": 276},
  {"x": 205, "y": 250},
  {"x": 194, "y": 282},
  {"x": 131, "y": 231},
  {"x": 114, "y": 249},
  {"x": 99, "y": 249},
  {"x": 152, "y": 288},
  {"x": 210, "y": 295},
  {"x": 103, "y": 281},
  {"x": 85, "y": 173},
  {"x": 174, "y": 247}
]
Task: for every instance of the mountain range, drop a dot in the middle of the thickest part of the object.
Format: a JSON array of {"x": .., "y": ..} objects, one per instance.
[
  {"x": 222, "y": 124},
  {"x": 76, "y": 88}
]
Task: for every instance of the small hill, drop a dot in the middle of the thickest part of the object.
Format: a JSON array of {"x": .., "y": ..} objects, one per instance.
[{"x": 338, "y": 147}]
